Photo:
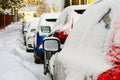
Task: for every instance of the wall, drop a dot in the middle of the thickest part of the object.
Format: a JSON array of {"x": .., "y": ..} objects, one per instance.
[{"x": 5, "y": 20}]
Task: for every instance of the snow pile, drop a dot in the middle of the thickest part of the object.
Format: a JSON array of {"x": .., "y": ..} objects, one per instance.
[
  {"x": 84, "y": 53},
  {"x": 15, "y": 62},
  {"x": 9, "y": 66}
]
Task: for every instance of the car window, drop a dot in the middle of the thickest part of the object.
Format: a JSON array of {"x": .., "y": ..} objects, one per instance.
[
  {"x": 46, "y": 29},
  {"x": 106, "y": 19},
  {"x": 51, "y": 20},
  {"x": 81, "y": 11}
]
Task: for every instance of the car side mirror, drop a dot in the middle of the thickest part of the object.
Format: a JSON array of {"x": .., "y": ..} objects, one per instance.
[
  {"x": 46, "y": 29},
  {"x": 51, "y": 44}
]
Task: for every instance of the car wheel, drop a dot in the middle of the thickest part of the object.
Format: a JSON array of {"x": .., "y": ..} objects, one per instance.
[{"x": 38, "y": 60}]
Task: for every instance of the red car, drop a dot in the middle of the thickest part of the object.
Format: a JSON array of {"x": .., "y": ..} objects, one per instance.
[{"x": 92, "y": 49}]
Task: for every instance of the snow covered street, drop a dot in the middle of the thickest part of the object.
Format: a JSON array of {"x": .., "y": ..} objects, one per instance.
[{"x": 15, "y": 62}]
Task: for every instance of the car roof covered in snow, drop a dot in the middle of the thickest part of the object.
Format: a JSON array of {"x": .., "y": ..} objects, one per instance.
[
  {"x": 33, "y": 23},
  {"x": 47, "y": 19},
  {"x": 67, "y": 15}
]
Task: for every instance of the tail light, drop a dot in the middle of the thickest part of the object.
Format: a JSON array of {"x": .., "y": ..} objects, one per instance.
[
  {"x": 62, "y": 35},
  {"x": 111, "y": 74}
]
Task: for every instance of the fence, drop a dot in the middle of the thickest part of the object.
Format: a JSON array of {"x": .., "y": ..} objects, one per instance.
[{"x": 5, "y": 20}]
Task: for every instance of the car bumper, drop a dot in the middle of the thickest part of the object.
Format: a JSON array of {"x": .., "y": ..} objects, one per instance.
[{"x": 29, "y": 44}]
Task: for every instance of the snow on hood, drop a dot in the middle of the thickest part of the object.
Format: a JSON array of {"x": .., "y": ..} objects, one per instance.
[{"x": 85, "y": 49}]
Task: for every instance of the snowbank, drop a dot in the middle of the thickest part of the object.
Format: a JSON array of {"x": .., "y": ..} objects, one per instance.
[{"x": 15, "y": 62}]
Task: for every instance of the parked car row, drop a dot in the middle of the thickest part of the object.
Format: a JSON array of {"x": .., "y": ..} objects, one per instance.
[
  {"x": 35, "y": 30},
  {"x": 50, "y": 24},
  {"x": 92, "y": 49}
]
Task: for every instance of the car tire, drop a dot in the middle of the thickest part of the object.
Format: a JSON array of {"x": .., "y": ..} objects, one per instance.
[{"x": 38, "y": 60}]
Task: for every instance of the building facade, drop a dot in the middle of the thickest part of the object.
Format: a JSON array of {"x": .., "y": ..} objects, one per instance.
[{"x": 77, "y": 2}]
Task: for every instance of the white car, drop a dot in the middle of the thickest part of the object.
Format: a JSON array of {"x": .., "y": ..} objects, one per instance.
[
  {"x": 92, "y": 50},
  {"x": 30, "y": 35},
  {"x": 25, "y": 30},
  {"x": 27, "y": 24},
  {"x": 26, "y": 27}
]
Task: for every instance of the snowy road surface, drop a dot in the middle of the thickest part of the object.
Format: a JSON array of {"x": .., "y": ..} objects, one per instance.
[{"x": 15, "y": 62}]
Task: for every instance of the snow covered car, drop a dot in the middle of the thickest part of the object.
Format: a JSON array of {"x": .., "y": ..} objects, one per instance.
[
  {"x": 30, "y": 35},
  {"x": 66, "y": 21},
  {"x": 46, "y": 22},
  {"x": 25, "y": 31},
  {"x": 26, "y": 24},
  {"x": 26, "y": 27},
  {"x": 95, "y": 54}
]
